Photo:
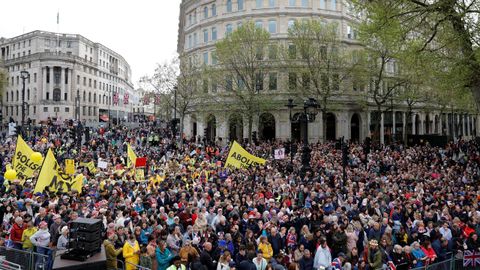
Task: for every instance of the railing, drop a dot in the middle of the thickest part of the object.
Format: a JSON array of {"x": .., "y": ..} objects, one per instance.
[
  {"x": 452, "y": 262},
  {"x": 121, "y": 265},
  {"x": 25, "y": 259}
]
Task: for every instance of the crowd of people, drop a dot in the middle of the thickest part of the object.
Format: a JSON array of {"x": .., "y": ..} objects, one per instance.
[{"x": 403, "y": 207}]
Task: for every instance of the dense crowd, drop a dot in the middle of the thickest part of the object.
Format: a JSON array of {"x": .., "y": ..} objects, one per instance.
[{"x": 407, "y": 207}]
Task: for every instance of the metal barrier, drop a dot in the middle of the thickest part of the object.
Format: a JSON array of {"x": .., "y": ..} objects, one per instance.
[
  {"x": 453, "y": 262},
  {"x": 26, "y": 259},
  {"x": 6, "y": 265}
]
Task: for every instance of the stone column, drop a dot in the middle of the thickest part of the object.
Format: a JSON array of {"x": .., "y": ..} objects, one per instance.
[
  {"x": 404, "y": 124},
  {"x": 43, "y": 90},
  {"x": 382, "y": 129},
  {"x": 414, "y": 131},
  {"x": 50, "y": 86},
  {"x": 369, "y": 120},
  {"x": 393, "y": 124},
  {"x": 463, "y": 125},
  {"x": 321, "y": 131},
  {"x": 62, "y": 82}
]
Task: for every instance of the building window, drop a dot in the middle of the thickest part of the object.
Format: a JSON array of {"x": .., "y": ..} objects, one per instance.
[
  {"x": 304, "y": 3},
  {"x": 259, "y": 82},
  {"x": 229, "y": 83},
  {"x": 67, "y": 109},
  {"x": 205, "y": 58},
  {"x": 259, "y": 4},
  {"x": 45, "y": 109},
  {"x": 272, "y": 81},
  {"x": 57, "y": 94},
  {"x": 259, "y": 24},
  {"x": 84, "y": 81},
  {"x": 292, "y": 3},
  {"x": 272, "y": 26},
  {"x": 65, "y": 96},
  {"x": 322, "y": 4},
  {"x": 292, "y": 81},
  {"x": 34, "y": 77},
  {"x": 292, "y": 51},
  {"x": 214, "y": 58},
  {"x": 34, "y": 109},
  {"x": 228, "y": 29},
  {"x": 56, "y": 109},
  {"x": 214, "y": 10},
  {"x": 291, "y": 23},
  {"x": 205, "y": 86},
  {"x": 28, "y": 94},
  {"x": 205, "y": 36},
  {"x": 195, "y": 40},
  {"x": 272, "y": 52},
  {"x": 17, "y": 95},
  {"x": 229, "y": 5},
  {"x": 271, "y": 3},
  {"x": 334, "y": 5},
  {"x": 240, "y": 4},
  {"x": 214, "y": 33},
  {"x": 205, "y": 12}
]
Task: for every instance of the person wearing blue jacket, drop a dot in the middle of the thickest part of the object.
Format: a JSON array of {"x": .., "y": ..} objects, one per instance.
[{"x": 164, "y": 256}]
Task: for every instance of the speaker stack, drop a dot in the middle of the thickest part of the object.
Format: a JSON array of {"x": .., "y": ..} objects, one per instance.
[{"x": 85, "y": 239}]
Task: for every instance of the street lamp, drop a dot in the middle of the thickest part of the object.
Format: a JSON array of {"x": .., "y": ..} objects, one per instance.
[
  {"x": 24, "y": 75},
  {"x": 310, "y": 110}
]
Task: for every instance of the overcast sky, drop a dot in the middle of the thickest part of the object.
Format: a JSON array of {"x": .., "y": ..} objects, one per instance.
[{"x": 144, "y": 32}]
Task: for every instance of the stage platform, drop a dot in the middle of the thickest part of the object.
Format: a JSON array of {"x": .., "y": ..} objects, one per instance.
[{"x": 96, "y": 262}]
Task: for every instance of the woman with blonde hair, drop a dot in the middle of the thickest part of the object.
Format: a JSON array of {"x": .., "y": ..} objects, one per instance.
[
  {"x": 224, "y": 261},
  {"x": 352, "y": 237}
]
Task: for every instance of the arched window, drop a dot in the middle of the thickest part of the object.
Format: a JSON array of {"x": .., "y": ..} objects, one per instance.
[
  {"x": 17, "y": 95},
  {"x": 214, "y": 10},
  {"x": 94, "y": 98},
  {"x": 229, "y": 5},
  {"x": 84, "y": 96},
  {"x": 205, "y": 12},
  {"x": 7, "y": 96},
  {"x": 89, "y": 97},
  {"x": 28, "y": 94}
]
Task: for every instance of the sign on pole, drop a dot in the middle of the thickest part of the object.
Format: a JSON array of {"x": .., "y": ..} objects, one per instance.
[{"x": 280, "y": 153}]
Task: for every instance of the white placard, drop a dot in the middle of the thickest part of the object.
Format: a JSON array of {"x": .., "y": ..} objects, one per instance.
[{"x": 280, "y": 153}]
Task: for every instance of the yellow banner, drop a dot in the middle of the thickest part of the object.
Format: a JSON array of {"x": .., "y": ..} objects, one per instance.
[
  {"x": 131, "y": 156},
  {"x": 53, "y": 179},
  {"x": 240, "y": 158},
  {"x": 21, "y": 161},
  {"x": 90, "y": 166},
  {"x": 69, "y": 166},
  {"x": 139, "y": 175}
]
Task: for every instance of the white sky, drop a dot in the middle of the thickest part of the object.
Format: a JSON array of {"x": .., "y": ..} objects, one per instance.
[{"x": 144, "y": 32}]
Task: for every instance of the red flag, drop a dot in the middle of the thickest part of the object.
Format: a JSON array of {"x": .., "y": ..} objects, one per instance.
[
  {"x": 157, "y": 99},
  {"x": 146, "y": 99},
  {"x": 140, "y": 162},
  {"x": 125, "y": 99}
]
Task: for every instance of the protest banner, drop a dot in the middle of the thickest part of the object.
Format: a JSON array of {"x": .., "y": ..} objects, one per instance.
[
  {"x": 240, "y": 158},
  {"x": 53, "y": 179},
  {"x": 22, "y": 162}
]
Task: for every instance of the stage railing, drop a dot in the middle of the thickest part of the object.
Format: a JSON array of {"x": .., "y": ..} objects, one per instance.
[{"x": 26, "y": 259}]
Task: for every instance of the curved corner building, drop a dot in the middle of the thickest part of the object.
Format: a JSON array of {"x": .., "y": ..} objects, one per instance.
[
  {"x": 71, "y": 77},
  {"x": 203, "y": 22}
]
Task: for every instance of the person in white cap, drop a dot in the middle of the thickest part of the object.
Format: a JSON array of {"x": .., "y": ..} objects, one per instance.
[{"x": 63, "y": 239}]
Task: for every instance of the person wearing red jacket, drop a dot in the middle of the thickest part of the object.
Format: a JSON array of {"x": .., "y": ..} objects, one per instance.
[{"x": 16, "y": 233}]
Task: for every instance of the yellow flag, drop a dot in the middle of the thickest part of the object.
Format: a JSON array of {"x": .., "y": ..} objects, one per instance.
[
  {"x": 21, "y": 161},
  {"x": 78, "y": 183},
  {"x": 69, "y": 166},
  {"x": 131, "y": 156},
  {"x": 52, "y": 177},
  {"x": 90, "y": 166},
  {"x": 240, "y": 158}
]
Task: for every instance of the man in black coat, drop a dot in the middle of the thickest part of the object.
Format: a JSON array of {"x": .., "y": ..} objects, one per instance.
[
  {"x": 206, "y": 258},
  {"x": 276, "y": 241},
  {"x": 306, "y": 263},
  {"x": 247, "y": 264}
]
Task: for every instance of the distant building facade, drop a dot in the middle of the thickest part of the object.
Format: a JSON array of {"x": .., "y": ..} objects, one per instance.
[
  {"x": 203, "y": 22},
  {"x": 67, "y": 73}
]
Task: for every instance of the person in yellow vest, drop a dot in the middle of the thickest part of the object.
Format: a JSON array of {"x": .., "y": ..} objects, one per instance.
[
  {"x": 29, "y": 231},
  {"x": 131, "y": 253},
  {"x": 266, "y": 248},
  {"x": 177, "y": 264}
]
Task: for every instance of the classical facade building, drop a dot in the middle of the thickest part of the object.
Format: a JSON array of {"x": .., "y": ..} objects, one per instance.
[
  {"x": 203, "y": 22},
  {"x": 70, "y": 77}
]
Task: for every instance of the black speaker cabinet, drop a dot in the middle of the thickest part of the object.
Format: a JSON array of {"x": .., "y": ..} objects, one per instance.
[{"x": 86, "y": 225}]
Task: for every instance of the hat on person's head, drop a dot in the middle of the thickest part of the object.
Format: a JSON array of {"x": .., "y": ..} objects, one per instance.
[
  {"x": 43, "y": 223},
  {"x": 28, "y": 200},
  {"x": 341, "y": 254},
  {"x": 373, "y": 243}
]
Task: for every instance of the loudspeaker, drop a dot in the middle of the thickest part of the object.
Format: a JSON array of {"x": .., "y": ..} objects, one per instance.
[
  {"x": 86, "y": 235},
  {"x": 86, "y": 225}
]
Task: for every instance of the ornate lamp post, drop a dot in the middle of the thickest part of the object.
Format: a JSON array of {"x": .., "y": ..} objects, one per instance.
[
  {"x": 310, "y": 110},
  {"x": 24, "y": 75}
]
